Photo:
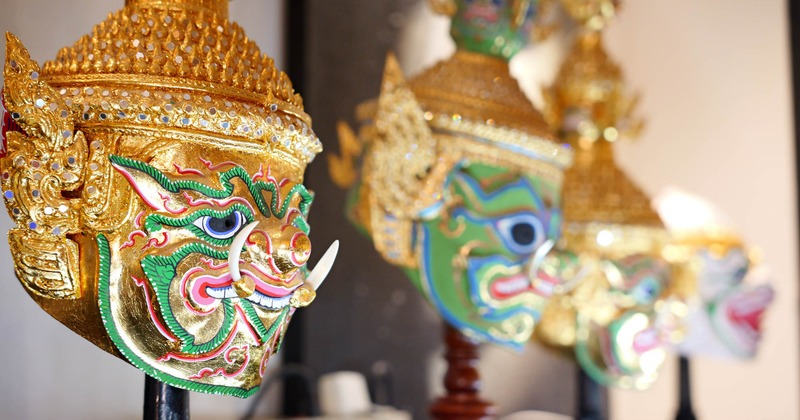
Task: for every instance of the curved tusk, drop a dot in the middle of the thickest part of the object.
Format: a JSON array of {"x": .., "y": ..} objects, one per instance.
[
  {"x": 538, "y": 257},
  {"x": 236, "y": 251},
  {"x": 318, "y": 274}
]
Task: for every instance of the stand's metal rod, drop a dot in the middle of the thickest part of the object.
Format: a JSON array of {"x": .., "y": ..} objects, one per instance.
[
  {"x": 591, "y": 398},
  {"x": 164, "y": 402},
  {"x": 685, "y": 410}
]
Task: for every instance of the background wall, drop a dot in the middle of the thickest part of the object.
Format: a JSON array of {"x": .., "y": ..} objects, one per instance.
[
  {"x": 48, "y": 371},
  {"x": 716, "y": 87}
]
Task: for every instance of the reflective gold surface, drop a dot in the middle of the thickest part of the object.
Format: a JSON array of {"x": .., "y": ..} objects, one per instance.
[{"x": 138, "y": 156}]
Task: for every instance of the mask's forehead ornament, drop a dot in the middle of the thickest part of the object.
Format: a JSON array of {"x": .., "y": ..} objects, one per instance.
[{"x": 154, "y": 170}]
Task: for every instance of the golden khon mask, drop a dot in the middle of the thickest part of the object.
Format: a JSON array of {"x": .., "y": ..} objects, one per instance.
[{"x": 154, "y": 171}]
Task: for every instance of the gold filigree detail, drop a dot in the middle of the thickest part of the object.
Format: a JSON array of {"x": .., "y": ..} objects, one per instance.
[
  {"x": 165, "y": 65},
  {"x": 342, "y": 168},
  {"x": 406, "y": 174},
  {"x": 39, "y": 109},
  {"x": 589, "y": 105},
  {"x": 46, "y": 265},
  {"x": 45, "y": 164},
  {"x": 478, "y": 88},
  {"x": 593, "y": 15},
  {"x": 613, "y": 240},
  {"x": 219, "y": 7},
  {"x": 392, "y": 235},
  {"x": 152, "y": 38}
]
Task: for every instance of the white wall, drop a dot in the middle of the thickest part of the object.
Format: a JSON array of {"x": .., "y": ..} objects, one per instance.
[
  {"x": 47, "y": 371},
  {"x": 715, "y": 80}
]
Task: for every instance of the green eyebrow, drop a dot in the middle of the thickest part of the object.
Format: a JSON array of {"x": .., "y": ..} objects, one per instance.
[
  {"x": 497, "y": 201},
  {"x": 225, "y": 178}
]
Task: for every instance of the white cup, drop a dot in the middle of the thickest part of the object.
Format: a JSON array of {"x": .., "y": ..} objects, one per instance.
[
  {"x": 343, "y": 393},
  {"x": 536, "y": 415}
]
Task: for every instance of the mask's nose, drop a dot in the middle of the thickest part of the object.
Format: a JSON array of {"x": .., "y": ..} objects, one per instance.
[{"x": 290, "y": 250}]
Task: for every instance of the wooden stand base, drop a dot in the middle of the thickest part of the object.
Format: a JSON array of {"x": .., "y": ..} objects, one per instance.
[{"x": 461, "y": 381}]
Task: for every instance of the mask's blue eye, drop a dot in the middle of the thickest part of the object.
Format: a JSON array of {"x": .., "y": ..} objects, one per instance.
[
  {"x": 522, "y": 233},
  {"x": 222, "y": 227},
  {"x": 646, "y": 291}
]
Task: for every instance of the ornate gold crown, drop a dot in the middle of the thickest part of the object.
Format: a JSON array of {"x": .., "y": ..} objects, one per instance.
[
  {"x": 475, "y": 107},
  {"x": 474, "y": 95},
  {"x": 590, "y": 107},
  {"x": 181, "y": 66}
]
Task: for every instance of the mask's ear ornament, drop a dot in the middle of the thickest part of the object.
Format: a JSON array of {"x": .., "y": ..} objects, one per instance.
[
  {"x": 408, "y": 186},
  {"x": 46, "y": 158},
  {"x": 154, "y": 170}
]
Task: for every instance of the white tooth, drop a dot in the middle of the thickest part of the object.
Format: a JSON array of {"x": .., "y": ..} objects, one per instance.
[
  {"x": 236, "y": 250},
  {"x": 230, "y": 293},
  {"x": 318, "y": 274},
  {"x": 215, "y": 293}
]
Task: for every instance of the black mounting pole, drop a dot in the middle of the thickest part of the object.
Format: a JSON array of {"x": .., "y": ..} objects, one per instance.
[
  {"x": 685, "y": 410},
  {"x": 298, "y": 400},
  {"x": 590, "y": 398},
  {"x": 793, "y": 18},
  {"x": 164, "y": 402}
]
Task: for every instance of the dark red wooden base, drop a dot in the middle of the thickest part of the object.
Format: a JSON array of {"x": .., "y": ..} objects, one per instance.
[{"x": 462, "y": 382}]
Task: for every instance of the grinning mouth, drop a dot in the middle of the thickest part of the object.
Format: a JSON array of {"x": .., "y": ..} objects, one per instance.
[
  {"x": 746, "y": 309},
  {"x": 508, "y": 287},
  {"x": 257, "y": 297},
  {"x": 206, "y": 289},
  {"x": 503, "y": 279},
  {"x": 511, "y": 286},
  {"x": 646, "y": 340},
  {"x": 487, "y": 14}
]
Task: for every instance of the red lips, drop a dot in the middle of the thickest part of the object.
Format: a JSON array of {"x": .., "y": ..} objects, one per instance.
[
  {"x": 202, "y": 283},
  {"x": 748, "y": 308}
]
